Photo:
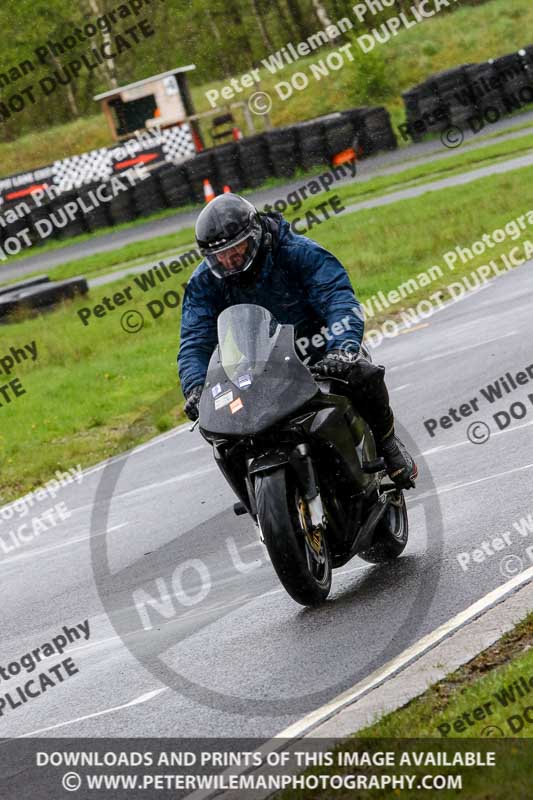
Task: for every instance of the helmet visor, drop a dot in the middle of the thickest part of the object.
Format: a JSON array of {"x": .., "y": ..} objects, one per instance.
[{"x": 235, "y": 257}]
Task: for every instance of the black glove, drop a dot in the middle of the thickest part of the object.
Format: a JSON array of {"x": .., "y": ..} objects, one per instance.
[
  {"x": 336, "y": 364},
  {"x": 192, "y": 402},
  {"x": 354, "y": 368}
]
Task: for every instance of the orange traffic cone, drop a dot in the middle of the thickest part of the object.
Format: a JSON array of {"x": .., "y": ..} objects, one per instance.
[
  {"x": 344, "y": 156},
  {"x": 226, "y": 189},
  {"x": 208, "y": 191}
]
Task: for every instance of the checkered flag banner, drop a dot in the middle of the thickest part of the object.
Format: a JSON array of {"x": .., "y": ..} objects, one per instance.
[
  {"x": 96, "y": 165},
  {"x": 175, "y": 144},
  {"x": 178, "y": 143}
]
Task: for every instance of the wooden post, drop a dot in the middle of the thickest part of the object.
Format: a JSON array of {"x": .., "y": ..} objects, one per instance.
[{"x": 110, "y": 119}]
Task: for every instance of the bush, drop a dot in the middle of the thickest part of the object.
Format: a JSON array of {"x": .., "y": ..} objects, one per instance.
[{"x": 374, "y": 80}]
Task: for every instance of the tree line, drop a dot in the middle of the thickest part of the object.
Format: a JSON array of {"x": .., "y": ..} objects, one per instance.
[{"x": 222, "y": 37}]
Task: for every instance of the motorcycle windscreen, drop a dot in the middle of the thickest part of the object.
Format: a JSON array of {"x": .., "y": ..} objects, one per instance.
[{"x": 255, "y": 377}]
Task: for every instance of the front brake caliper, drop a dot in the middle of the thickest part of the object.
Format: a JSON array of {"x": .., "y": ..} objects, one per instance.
[{"x": 312, "y": 534}]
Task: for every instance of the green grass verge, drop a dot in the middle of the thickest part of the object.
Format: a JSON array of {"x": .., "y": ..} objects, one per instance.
[
  {"x": 169, "y": 245},
  {"x": 90, "y": 383},
  {"x": 447, "y": 709}
]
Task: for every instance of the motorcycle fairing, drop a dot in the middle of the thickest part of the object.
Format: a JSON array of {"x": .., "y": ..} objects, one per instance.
[{"x": 277, "y": 383}]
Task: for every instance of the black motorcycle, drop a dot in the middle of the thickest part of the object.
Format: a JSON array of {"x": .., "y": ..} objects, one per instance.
[{"x": 299, "y": 457}]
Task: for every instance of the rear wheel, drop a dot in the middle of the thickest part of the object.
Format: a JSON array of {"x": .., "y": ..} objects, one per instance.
[
  {"x": 299, "y": 554},
  {"x": 392, "y": 533}
]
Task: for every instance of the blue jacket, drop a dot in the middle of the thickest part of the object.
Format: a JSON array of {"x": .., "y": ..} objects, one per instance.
[{"x": 300, "y": 283}]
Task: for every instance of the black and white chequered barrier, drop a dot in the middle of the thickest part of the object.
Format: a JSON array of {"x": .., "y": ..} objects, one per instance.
[{"x": 174, "y": 145}]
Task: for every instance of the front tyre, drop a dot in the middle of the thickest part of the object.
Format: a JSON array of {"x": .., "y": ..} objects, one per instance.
[
  {"x": 299, "y": 555},
  {"x": 392, "y": 533}
]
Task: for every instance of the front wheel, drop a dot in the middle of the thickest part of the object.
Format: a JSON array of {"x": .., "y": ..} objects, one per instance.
[
  {"x": 392, "y": 533},
  {"x": 299, "y": 554}
]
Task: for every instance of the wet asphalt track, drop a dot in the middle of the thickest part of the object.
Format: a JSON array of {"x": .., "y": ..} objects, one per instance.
[{"x": 245, "y": 659}]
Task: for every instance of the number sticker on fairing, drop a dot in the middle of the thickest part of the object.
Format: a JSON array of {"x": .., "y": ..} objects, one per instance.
[{"x": 224, "y": 400}]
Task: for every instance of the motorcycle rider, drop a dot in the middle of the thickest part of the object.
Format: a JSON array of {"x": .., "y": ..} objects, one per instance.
[{"x": 250, "y": 257}]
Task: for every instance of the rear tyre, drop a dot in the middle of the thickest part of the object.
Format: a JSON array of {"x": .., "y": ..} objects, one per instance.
[
  {"x": 301, "y": 559},
  {"x": 392, "y": 533}
]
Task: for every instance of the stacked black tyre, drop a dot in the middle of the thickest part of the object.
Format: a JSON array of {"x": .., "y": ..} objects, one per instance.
[
  {"x": 30, "y": 283},
  {"x": 228, "y": 166},
  {"x": 515, "y": 79},
  {"x": 485, "y": 89},
  {"x": 425, "y": 110},
  {"x": 18, "y": 224},
  {"x": 97, "y": 215},
  {"x": 148, "y": 197},
  {"x": 42, "y": 296},
  {"x": 122, "y": 207},
  {"x": 67, "y": 216},
  {"x": 201, "y": 167},
  {"x": 376, "y": 131},
  {"x": 412, "y": 114},
  {"x": 283, "y": 151},
  {"x": 255, "y": 161},
  {"x": 455, "y": 93},
  {"x": 174, "y": 185},
  {"x": 339, "y": 135},
  {"x": 356, "y": 117},
  {"x": 311, "y": 144},
  {"x": 41, "y": 228}
]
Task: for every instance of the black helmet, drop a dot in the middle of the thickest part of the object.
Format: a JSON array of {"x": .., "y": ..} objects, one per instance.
[{"x": 229, "y": 235}]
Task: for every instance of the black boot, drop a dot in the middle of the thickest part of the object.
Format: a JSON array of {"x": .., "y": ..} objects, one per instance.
[
  {"x": 401, "y": 466},
  {"x": 370, "y": 397}
]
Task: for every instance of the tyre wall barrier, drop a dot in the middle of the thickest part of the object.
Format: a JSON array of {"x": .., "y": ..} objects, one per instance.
[
  {"x": 40, "y": 296},
  {"x": 228, "y": 166},
  {"x": 247, "y": 163},
  {"x": 454, "y": 96},
  {"x": 29, "y": 283},
  {"x": 255, "y": 160},
  {"x": 282, "y": 145},
  {"x": 174, "y": 185},
  {"x": 201, "y": 167}
]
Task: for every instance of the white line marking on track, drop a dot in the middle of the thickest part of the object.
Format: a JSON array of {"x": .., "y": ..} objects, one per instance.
[
  {"x": 452, "y": 352},
  {"x": 298, "y": 729},
  {"x": 150, "y": 486},
  {"x": 304, "y": 726},
  {"x": 143, "y": 698},
  {"x": 42, "y": 550},
  {"x": 136, "y": 450},
  {"x": 399, "y": 388},
  {"x": 453, "y": 486},
  {"x": 443, "y": 447},
  {"x": 404, "y": 659}
]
